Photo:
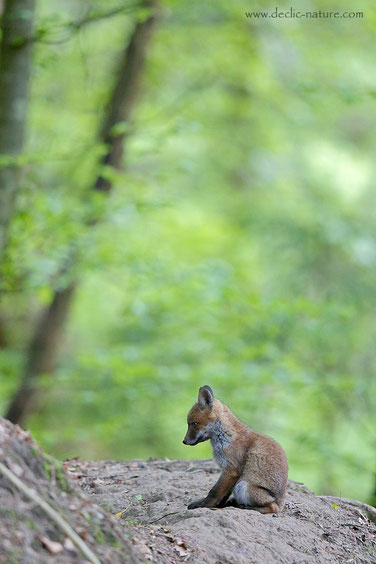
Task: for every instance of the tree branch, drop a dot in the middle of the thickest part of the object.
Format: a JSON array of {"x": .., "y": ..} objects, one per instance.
[
  {"x": 73, "y": 26},
  {"x": 353, "y": 502}
]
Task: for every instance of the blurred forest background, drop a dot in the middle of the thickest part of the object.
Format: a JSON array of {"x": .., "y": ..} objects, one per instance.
[{"x": 236, "y": 246}]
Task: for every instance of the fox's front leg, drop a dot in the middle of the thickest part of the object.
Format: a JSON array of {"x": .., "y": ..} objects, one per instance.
[{"x": 219, "y": 493}]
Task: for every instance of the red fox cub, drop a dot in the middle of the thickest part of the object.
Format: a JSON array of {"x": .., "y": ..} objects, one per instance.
[{"x": 254, "y": 467}]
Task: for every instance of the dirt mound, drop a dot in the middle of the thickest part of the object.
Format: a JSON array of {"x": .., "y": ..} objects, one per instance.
[
  {"x": 151, "y": 521},
  {"x": 153, "y": 496},
  {"x": 29, "y": 534}
]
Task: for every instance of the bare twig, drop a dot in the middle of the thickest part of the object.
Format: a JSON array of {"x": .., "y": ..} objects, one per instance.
[
  {"x": 352, "y": 502},
  {"x": 71, "y": 27},
  {"x": 121, "y": 513},
  {"x": 54, "y": 515},
  {"x": 104, "y": 15},
  {"x": 163, "y": 516}
]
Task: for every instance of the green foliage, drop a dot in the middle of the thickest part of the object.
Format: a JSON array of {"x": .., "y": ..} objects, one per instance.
[{"x": 237, "y": 248}]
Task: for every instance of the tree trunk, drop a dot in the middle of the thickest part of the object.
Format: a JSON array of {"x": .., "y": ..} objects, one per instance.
[
  {"x": 43, "y": 350},
  {"x": 15, "y": 59},
  {"x": 124, "y": 96}
]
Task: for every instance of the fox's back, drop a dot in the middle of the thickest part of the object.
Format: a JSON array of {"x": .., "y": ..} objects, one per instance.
[{"x": 266, "y": 464}]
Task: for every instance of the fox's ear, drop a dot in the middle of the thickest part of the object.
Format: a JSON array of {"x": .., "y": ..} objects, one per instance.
[{"x": 205, "y": 397}]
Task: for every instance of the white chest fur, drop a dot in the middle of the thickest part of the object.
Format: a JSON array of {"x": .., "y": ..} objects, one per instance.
[{"x": 220, "y": 440}]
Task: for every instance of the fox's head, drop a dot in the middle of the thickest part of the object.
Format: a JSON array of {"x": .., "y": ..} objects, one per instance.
[{"x": 199, "y": 417}]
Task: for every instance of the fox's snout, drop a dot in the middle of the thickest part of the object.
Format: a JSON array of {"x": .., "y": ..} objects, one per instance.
[
  {"x": 191, "y": 439},
  {"x": 199, "y": 417},
  {"x": 187, "y": 441}
]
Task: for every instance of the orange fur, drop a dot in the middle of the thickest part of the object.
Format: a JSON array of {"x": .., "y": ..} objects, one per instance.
[{"x": 254, "y": 466}]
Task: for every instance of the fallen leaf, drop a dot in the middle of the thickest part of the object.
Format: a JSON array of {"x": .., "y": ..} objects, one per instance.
[
  {"x": 181, "y": 551},
  {"x": 181, "y": 542},
  {"x": 52, "y": 546},
  {"x": 82, "y": 532},
  {"x": 145, "y": 550}
]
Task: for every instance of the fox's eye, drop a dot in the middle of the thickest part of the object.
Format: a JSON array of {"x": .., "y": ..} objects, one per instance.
[{"x": 194, "y": 424}]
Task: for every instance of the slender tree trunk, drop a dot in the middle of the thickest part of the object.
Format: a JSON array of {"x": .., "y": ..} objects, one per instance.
[
  {"x": 43, "y": 351},
  {"x": 15, "y": 59},
  {"x": 124, "y": 96}
]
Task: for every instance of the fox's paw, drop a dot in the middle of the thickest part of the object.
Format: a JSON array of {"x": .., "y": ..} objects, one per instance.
[{"x": 196, "y": 504}]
